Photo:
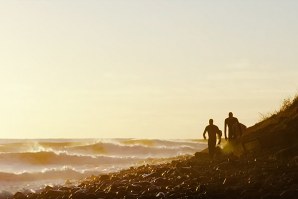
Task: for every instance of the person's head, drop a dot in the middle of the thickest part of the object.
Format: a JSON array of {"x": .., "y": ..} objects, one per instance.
[
  {"x": 230, "y": 114},
  {"x": 211, "y": 121}
]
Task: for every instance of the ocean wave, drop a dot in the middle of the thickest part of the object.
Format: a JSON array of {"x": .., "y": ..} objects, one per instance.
[
  {"x": 160, "y": 143},
  {"x": 34, "y": 155},
  {"x": 51, "y": 158},
  {"x": 66, "y": 173},
  {"x": 115, "y": 147},
  {"x": 139, "y": 148},
  {"x": 40, "y": 145},
  {"x": 63, "y": 173}
]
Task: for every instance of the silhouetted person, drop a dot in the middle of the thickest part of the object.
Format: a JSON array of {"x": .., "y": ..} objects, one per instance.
[
  {"x": 212, "y": 131},
  {"x": 233, "y": 125}
]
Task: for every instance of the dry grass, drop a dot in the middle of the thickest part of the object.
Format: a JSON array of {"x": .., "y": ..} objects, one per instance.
[
  {"x": 277, "y": 129},
  {"x": 286, "y": 104}
]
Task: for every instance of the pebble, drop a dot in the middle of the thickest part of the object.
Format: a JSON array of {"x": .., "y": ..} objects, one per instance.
[{"x": 193, "y": 177}]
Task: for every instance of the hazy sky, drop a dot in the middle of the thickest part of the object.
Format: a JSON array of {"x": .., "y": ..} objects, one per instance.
[{"x": 144, "y": 69}]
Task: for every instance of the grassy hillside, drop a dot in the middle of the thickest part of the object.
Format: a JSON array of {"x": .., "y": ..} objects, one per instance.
[{"x": 280, "y": 130}]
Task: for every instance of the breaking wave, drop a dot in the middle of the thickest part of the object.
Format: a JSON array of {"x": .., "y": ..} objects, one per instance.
[{"x": 51, "y": 160}]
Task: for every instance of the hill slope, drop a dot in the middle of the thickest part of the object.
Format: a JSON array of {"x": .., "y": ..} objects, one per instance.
[{"x": 276, "y": 132}]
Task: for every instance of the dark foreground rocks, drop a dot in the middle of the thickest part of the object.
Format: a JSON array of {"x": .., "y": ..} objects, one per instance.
[{"x": 250, "y": 176}]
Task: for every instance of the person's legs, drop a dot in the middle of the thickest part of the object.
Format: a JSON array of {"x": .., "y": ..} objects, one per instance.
[
  {"x": 211, "y": 147},
  {"x": 231, "y": 135}
]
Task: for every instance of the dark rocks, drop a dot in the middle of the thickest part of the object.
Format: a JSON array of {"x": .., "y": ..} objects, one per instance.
[
  {"x": 160, "y": 195},
  {"x": 53, "y": 193},
  {"x": 161, "y": 181},
  {"x": 19, "y": 195},
  {"x": 79, "y": 194},
  {"x": 289, "y": 194},
  {"x": 230, "y": 177},
  {"x": 104, "y": 177},
  {"x": 270, "y": 196}
]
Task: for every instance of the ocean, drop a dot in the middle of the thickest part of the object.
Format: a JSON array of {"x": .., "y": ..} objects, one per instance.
[{"x": 31, "y": 164}]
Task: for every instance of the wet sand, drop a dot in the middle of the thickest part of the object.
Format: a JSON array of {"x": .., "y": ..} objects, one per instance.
[{"x": 265, "y": 174}]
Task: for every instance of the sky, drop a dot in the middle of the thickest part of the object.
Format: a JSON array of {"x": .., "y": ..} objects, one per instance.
[{"x": 142, "y": 68}]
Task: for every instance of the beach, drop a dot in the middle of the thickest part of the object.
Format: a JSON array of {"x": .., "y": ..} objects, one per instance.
[
  {"x": 262, "y": 163},
  {"x": 252, "y": 176},
  {"x": 31, "y": 164}
]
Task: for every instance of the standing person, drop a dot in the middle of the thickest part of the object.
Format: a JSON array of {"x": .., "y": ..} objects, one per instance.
[
  {"x": 233, "y": 124},
  {"x": 212, "y": 131}
]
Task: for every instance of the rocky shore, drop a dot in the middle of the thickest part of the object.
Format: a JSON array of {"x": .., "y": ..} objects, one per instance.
[
  {"x": 264, "y": 175},
  {"x": 265, "y": 167}
]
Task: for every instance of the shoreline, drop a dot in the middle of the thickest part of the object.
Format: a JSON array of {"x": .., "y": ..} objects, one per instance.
[
  {"x": 260, "y": 175},
  {"x": 33, "y": 165}
]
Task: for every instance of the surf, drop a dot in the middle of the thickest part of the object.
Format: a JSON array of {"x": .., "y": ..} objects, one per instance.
[{"x": 38, "y": 162}]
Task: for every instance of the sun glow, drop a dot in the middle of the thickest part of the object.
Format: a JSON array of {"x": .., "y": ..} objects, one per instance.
[{"x": 141, "y": 69}]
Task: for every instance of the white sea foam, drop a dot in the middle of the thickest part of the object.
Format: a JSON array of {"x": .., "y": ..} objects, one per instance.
[{"x": 32, "y": 163}]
